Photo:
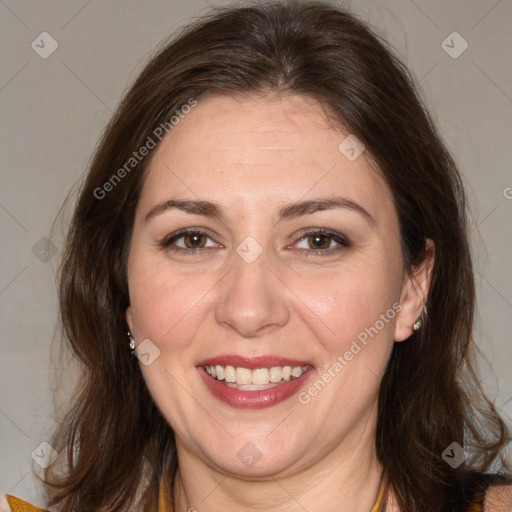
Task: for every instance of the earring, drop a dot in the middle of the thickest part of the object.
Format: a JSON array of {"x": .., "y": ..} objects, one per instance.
[
  {"x": 132, "y": 341},
  {"x": 417, "y": 325}
]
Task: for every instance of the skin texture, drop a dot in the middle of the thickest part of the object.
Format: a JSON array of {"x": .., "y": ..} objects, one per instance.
[
  {"x": 253, "y": 155},
  {"x": 499, "y": 499}
]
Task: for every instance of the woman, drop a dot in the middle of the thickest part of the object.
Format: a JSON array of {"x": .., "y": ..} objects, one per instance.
[{"x": 274, "y": 220}]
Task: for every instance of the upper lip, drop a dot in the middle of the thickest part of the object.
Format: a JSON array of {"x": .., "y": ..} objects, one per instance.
[{"x": 252, "y": 362}]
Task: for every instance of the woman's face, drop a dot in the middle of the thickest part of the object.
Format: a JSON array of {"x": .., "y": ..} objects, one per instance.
[{"x": 291, "y": 272}]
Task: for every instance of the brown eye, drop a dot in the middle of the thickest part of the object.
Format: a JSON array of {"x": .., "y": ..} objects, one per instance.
[
  {"x": 188, "y": 241},
  {"x": 193, "y": 240},
  {"x": 319, "y": 241},
  {"x": 322, "y": 242}
]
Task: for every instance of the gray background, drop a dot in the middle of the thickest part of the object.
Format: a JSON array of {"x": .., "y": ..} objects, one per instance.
[{"x": 53, "y": 111}]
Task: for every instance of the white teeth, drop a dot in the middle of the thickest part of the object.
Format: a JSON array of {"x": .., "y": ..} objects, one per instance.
[
  {"x": 245, "y": 377},
  {"x": 259, "y": 376},
  {"x": 297, "y": 371},
  {"x": 229, "y": 374},
  {"x": 276, "y": 374}
]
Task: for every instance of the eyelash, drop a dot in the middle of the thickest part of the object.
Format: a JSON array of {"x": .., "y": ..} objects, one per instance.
[{"x": 342, "y": 241}]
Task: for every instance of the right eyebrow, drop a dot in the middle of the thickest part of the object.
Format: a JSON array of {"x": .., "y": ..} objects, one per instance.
[{"x": 205, "y": 208}]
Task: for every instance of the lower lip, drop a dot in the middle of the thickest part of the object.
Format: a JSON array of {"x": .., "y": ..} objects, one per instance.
[{"x": 259, "y": 399}]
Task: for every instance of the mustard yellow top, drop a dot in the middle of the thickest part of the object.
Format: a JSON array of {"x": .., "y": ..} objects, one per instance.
[
  {"x": 473, "y": 496},
  {"x": 18, "y": 505},
  {"x": 163, "y": 506}
]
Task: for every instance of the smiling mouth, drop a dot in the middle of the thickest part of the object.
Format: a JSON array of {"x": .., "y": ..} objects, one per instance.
[{"x": 259, "y": 378}]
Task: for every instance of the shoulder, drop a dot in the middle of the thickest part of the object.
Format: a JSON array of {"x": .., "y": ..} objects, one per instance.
[
  {"x": 485, "y": 492},
  {"x": 498, "y": 498}
]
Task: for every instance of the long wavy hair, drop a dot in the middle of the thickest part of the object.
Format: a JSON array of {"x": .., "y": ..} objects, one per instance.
[{"x": 115, "y": 446}]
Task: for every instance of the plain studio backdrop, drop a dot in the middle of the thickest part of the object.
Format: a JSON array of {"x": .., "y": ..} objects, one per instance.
[{"x": 64, "y": 68}]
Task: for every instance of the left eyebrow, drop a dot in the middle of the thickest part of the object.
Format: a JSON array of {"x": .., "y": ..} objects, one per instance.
[
  {"x": 291, "y": 211},
  {"x": 316, "y": 205}
]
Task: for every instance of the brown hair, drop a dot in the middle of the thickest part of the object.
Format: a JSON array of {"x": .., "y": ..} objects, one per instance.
[{"x": 117, "y": 445}]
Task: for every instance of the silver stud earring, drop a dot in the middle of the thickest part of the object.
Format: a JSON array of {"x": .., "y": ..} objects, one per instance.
[{"x": 132, "y": 341}]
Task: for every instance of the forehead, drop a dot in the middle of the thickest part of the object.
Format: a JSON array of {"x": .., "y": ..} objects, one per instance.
[{"x": 261, "y": 149}]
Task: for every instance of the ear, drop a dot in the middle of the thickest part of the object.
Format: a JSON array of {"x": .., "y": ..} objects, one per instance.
[
  {"x": 129, "y": 319},
  {"x": 414, "y": 293}
]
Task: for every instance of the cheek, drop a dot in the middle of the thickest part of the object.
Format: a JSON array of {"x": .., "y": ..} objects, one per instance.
[
  {"x": 343, "y": 306},
  {"x": 352, "y": 318},
  {"x": 166, "y": 305}
]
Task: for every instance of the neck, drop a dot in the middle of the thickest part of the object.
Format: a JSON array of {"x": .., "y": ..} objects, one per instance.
[{"x": 349, "y": 475}]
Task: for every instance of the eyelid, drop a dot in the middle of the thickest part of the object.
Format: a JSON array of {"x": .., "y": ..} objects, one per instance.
[
  {"x": 167, "y": 240},
  {"x": 342, "y": 240},
  {"x": 323, "y": 231}
]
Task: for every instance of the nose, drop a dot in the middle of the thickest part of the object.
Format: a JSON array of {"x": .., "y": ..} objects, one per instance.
[{"x": 252, "y": 300}]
